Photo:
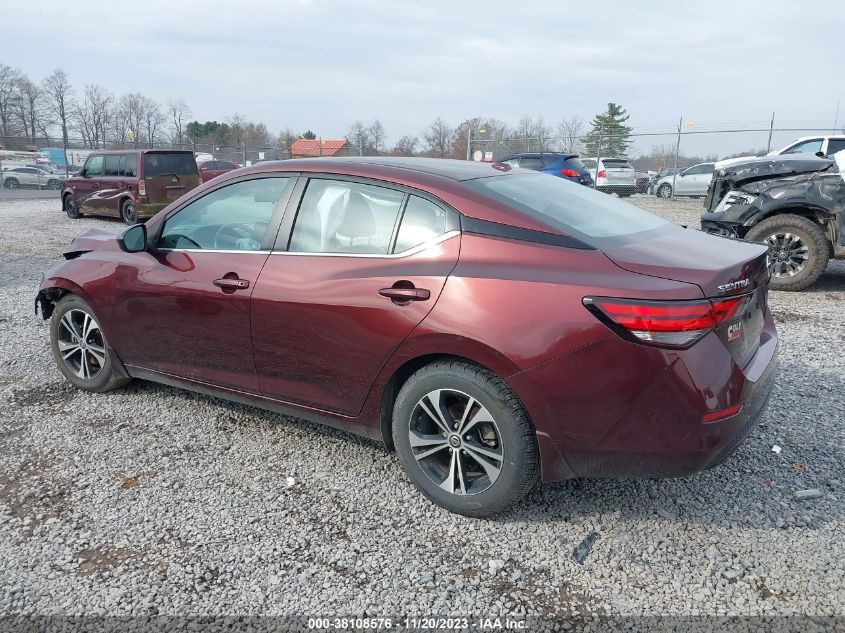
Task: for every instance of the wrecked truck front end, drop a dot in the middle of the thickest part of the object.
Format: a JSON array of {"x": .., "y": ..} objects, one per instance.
[{"x": 743, "y": 194}]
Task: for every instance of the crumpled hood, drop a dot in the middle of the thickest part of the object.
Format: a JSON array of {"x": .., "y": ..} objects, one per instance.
[
  {"x": 91, "y": 240},
  {"x": 771, "y": 167}
]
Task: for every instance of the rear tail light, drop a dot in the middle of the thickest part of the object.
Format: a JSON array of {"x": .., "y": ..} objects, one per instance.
[
  {"x": 602, "y": 174},
  {"x": 721, "y": 414},
  {"x": 569, "y": 173},
  {"x": 142, "y": 187},
  {"x": 676, "y": 324}
]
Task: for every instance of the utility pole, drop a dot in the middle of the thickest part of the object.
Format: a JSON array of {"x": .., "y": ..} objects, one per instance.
[
  {"x": 835, "y": 119},
  {"x": 469, "y": 142},
  {"x": 677, "y": 151},
  {"x": 771, "y": 129},
  {"x": 598, "y": 156}
]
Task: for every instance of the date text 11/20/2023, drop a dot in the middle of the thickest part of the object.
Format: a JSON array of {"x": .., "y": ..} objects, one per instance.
[{"x": 432, "y": 623}]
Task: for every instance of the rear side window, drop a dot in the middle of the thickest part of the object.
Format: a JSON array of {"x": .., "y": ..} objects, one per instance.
[
  {"x": 338, "y": 216},
  {"x": 129, "y": 165},
  {"x": 421, "y": 222},
  {"x": 167, "y": 164},
  {"x": 575, "y": 163},
  {"x": 531, "y": 162},
  {"x": 835, "y": 145},
  {"x": 112, "y": 165},
  {"x": 616, "y": 163},
  {"x": 569, "y": 207}
]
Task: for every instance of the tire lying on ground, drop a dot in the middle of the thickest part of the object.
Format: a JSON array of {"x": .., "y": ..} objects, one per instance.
[{"x": 798, "y": 250}]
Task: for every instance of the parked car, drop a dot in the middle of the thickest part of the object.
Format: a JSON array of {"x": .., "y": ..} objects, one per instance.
[
  {"x": 27, "y": 177},
  {"x": 692, "y": 181},
  {"x": 613, "y": 175},
  {"x": 794, "y": 204},
  {"x": 212, "y": 168},
  {"x": 822, "y": 146},
  {"x": 129, "y": 184},
  {"x": 642, "y": 179},
  {"x": 491, "y": 324},
  {"x": 566, "y": 166},
  {"x": 661, "y": 173}
]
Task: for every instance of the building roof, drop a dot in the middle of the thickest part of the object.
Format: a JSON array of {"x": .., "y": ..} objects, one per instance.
[{"x": 317, "y": 147}]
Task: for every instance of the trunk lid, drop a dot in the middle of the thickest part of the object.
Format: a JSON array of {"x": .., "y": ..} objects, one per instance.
[
  {"x": 721, "y": 267},
  {"x": 618, "y": 171}
]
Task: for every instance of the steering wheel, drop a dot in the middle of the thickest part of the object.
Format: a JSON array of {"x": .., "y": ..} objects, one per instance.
[
  {"x": 178, "y": 237},
  {"x": 230, "y": 235}
]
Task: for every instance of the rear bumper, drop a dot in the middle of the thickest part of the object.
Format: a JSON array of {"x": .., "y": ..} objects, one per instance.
[
  {"x": 621, "y": 410},
  {"x": 147, "y": 210}
]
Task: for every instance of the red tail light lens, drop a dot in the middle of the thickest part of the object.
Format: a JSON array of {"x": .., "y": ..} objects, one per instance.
[
  {"x": 676, "y": 324},
  {"x": 602, "y": 174},
  {"x": 569, "y": 173}
]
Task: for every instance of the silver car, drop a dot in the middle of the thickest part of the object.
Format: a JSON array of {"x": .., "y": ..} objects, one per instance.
[
  {"x": 15, "y": 177},
  {"x": 612, "y": 175},
  {"x": 692, "y": 181}
]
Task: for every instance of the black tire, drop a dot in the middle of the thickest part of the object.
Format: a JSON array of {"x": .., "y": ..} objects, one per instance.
[
  {"x": 128, "y": 212},
  {"x": 11, "y": 183},
  {"x": 519, "y": 462},
  {"x": 71, "y": 207},
  {"x": 664, "y": 191},
  {"x": 809, "y": 233},
  {"x": 90, "y": 367}
]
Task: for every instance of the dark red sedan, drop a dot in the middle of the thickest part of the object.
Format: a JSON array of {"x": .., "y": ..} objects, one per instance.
[
  {"x": 212, "y": 168},
  {"x": 492, "y": 324}
]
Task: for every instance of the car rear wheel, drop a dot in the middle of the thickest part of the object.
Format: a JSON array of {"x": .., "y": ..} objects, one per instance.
[
  {"x": 128, "y": 213},
  {"x": 464, "y": 439},
  {"x": 11, "y": 183},
  {"x": 71, "y": 207},
  {"x": 664, "y": 190},
  {"x": 80, "y": 347},
  {"x": 798, "y": 250}
]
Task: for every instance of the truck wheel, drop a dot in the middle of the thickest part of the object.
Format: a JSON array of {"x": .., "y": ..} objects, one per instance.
[{"x": 798, "y": 250}]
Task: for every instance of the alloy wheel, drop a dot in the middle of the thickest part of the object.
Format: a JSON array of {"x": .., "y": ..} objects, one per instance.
[
  {"x": 81, "y": 344},
  {"x": 788, "y": 254},
  {"x": 456, "y": 442},
  {"x": 665, "y": 191}
]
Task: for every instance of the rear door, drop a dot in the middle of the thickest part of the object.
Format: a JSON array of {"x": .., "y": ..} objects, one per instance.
[
  {"x": 168, "y": 175},
  {"x": 107, "y": 201},
  {"x": 365, "y": 263}
]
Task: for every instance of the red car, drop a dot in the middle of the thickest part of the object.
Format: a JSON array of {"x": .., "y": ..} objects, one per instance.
[
  {"x": 212, "y": 168},
  {"x": 490, "y": 323}
]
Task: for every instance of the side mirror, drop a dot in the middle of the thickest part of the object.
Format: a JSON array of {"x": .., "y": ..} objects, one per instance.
[
  {"x": 821, "y": 154},
  {"x": 134, "y": 239}
]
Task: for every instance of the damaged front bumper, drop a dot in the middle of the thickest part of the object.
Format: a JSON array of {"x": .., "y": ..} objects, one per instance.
[{"x": 732, "y": 217}]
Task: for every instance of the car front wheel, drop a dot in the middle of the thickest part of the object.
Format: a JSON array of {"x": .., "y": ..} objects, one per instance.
[
  {"x": 464, "y": 438},
  {"x": 71, "y": 207},
  {"x": 664, "y": 190},
  {"x": 798, "y": 250},
  {"x": 80, "y": 348}
]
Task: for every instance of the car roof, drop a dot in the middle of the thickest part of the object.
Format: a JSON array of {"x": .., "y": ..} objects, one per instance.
[
  {"x": 385, "y": 166},
  {"x": 142, "y": 151},
  {"x": 539, "y": 154}
]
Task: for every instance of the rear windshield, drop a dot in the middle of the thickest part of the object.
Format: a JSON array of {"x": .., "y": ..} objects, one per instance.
[
  {"x": 179, "y": 164},
  {"x": 569, "y": 207},
  {"x": 616, "y": 163},
  {"x": 575, "y": 163}
]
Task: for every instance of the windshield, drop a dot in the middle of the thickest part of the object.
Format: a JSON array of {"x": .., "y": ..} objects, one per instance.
[{"x": 567, "y": 206}]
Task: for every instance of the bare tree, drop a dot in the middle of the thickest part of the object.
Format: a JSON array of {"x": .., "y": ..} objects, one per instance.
[
  {"x": 377, "y": 134},
  {"x": 31, "y": 107},
  {"x": 437, "y": 137},
  {"x": 128, "y": 118},
  {"x": 59, "y": 94},
  {"x": 286, "y": 140},
  {"x": 532, "y": 134},
  {"x": 359, "y": 137},
  {"x": 405, "y": 146},
  {"x": 9, "y": 78},
  {"x": 486, "y": 133},
  {"x": 179, "y": 112},
  {"x": 92, "y": 114},
  {"x": 570, "y": 131},
  {"x": 153, "y": 119}
]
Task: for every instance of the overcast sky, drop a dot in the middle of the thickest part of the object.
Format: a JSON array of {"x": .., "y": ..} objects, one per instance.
[{"x": 321, "y": 64}]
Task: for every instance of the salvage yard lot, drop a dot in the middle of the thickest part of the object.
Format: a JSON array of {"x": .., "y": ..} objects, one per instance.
[{"x": 154, "y": 500}]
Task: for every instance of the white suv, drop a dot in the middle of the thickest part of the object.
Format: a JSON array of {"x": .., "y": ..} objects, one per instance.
[
  {"x": 827, "y": 145},
  {"x": 614, "y": 175}
]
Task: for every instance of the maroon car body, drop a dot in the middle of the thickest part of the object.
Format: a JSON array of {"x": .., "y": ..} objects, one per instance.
[
  {"x": 316, "y": 336},
  {"x": 212, "y": 168}
]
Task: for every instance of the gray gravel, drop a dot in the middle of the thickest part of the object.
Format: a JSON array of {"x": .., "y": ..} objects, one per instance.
[{"x": 153, "y": 500}]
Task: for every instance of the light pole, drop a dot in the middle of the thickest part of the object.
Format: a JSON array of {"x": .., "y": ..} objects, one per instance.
[{"x": 469, "y": 140}]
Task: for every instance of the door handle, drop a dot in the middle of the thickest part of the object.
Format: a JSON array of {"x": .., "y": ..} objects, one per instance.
[
  {"x": 229, "y": 283},
  {"x": 404, "y": 295}
]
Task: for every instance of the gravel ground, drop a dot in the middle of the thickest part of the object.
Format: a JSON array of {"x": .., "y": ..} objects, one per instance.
[{"x": 153, "y": 500}]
